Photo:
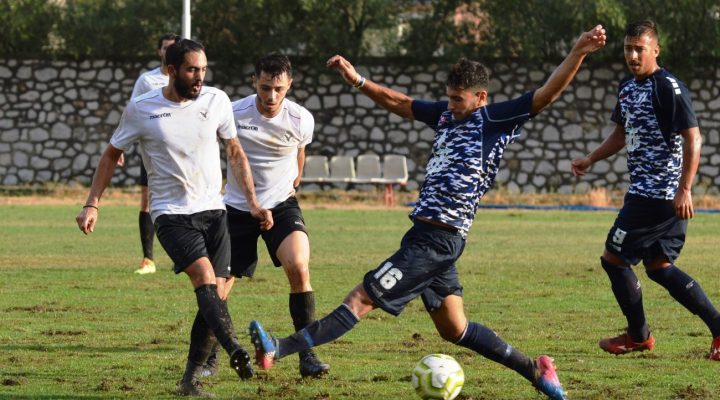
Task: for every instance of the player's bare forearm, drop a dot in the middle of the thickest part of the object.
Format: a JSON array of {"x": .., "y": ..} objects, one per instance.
[
  {"x": 389, "y": 99},
  {"x": 610, "y": 146},
  {"x": 565, "y": 72},
  {"x": 301, "y": 166},
  {"x": 692, "y": 144},
  {"x": 87, "y": 218},
  {"x": 103, "y": 174},
  {"x": 241, "y": 169}
]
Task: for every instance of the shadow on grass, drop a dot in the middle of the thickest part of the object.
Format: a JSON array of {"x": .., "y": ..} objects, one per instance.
[{"x": 141, "y": 348}]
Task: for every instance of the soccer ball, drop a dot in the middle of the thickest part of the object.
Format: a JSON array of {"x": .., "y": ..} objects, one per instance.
[{"x": 437, "y": 376}]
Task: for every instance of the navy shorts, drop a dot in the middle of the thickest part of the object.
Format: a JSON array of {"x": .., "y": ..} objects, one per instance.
[
  {"x": 189, "y": 237},
  {"x": 143, "y": 175},
  {"x": 424, "y": 266},
  {"x": 646, "y": 229},
  {"x": 245, "y": 230}
]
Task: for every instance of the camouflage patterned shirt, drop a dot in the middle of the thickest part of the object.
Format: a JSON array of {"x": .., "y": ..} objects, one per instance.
[
  {"x": 465, "y": 157},
  {"x": 653, "y": 111}
]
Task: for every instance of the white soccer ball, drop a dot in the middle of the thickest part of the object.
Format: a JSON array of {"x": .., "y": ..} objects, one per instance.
[{"x": 437, "y": 376}]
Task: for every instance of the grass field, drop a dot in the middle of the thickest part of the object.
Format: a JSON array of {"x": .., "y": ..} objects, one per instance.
[{"x": 76, "y": 323}]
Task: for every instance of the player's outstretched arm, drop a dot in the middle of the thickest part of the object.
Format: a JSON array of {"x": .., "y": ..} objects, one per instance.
[
  {"x": 87, "y": 218},
  {"x": 238, "y": 161},
  {"x": 692, "y": 144},
  {"x": 389, "y": 99},
  {"x": 565, "y": 72},
  {"x": 611, "y": 145}
]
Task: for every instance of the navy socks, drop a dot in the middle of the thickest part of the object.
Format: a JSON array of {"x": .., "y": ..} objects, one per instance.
[
  {"x": 319, "y": 332},
  {"x": 687, "y": 292},
  {"x": 626, "y": 288},
  {"x": 487, "y": 343}
]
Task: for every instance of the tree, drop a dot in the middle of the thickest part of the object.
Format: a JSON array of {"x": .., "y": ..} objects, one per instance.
[{"x": 26, "y": 27}]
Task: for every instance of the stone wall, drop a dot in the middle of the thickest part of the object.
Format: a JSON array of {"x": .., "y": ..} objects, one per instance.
[{"x": 56, "y": 118}]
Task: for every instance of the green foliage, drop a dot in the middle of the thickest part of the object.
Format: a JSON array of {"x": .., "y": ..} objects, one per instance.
[
  {"x": 236, "y": 32},
  {"x": 114, "y": 30},
  {"x": 77, "y": 324},
  {"x": 25, "y": 27}
]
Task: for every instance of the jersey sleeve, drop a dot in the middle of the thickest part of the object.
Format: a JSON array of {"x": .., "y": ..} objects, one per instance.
[
  {"x": 141, "y": 87},
  {"x": 428, "y": 112},
  {"x": 507, "y": 116},
  {"x": 307, "y": 127},
  {"x": 674, "y": 98},
  {"x": 226, "y": 125},
  {"x": 128, "y": 130}
]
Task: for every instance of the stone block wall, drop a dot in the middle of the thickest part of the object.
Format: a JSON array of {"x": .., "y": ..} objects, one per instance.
[{"x": 56, "y": 119}]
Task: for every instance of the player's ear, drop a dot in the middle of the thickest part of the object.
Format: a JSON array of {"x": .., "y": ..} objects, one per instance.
[{"x": 481, "y": 98}]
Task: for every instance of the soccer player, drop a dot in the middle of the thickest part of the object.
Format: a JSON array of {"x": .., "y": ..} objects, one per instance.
[
  {"x": 655, "y": 121},
  {"x": 179, "y": 127},
  {"x": 471, "y": 136},
  {"x": 153, "y": 79},
  {"x": 274, "y": 132}
]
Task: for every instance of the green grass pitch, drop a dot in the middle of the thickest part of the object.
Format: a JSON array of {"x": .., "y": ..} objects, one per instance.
[{"x": 77, "y": 324}]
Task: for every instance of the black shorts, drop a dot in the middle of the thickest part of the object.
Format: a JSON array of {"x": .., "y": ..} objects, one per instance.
[
  {"x": 143, "y": 175},
  {"x": 189, "y": 237},
  {"x": 424, "y": 265},
  {"x": 646, "y": 229},
  {"x": 245, "y": 230}
]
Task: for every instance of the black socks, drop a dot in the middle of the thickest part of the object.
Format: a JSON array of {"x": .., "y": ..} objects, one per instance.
[
  {"x": 302, "y": 309},
  {"x": 626, "y": 287},
  {"x": 487, "y": 343},
  {"x": 687, "y": 292},
  {"x": 147, "y": 234},
  {"x": 322, "y": 331}
]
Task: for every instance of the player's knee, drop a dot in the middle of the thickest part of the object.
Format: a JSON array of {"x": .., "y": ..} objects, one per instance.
[{"x": 450, "y": 334}]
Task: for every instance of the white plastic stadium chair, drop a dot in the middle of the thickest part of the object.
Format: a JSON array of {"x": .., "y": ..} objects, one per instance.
[
  {"x": 394, "y": 171},
  {"x": 342, "y": 169},
  {"x": 368, "y": 169},
  {"x": 316, "y": 169}
]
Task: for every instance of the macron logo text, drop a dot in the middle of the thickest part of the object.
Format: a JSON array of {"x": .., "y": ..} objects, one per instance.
[{"x": 163, "y": 115}]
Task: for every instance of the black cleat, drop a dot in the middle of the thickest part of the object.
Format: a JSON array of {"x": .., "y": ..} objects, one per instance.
[
  {"x": 192, "y": 388},
  {"x": 211, "y": 366},
  {"x": 311, "y": 366},
  {"x": 240, "y": 363}
]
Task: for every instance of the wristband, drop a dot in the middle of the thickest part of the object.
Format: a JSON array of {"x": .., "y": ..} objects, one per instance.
[
  {"x": 360, "y": 82},
  {"x": 90, "y": 206}
]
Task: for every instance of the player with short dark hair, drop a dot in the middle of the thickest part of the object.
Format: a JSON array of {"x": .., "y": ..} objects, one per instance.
[
  {"x": 471, "y": 136},
  {"x": 274, "y": 132},
  {"x": 153, "y": 79},
  {"x": 179, "y": 128},
  {"x": 655, "y": 121}
]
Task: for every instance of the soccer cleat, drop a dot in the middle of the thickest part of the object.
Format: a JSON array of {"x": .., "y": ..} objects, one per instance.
[
  {"x": 624, "y": 344},
  {"x": 211, "y": 366},
  {"x": 192, "y": 388},
  {"x": 715, "y": 349},
  {"x": 264, "y": 345},
  {"x": 147, "y": 266},
  {"x": 240, "y": 363},
  {"x": 547, "y": 380},
  {"x": 311, "y": 366}
]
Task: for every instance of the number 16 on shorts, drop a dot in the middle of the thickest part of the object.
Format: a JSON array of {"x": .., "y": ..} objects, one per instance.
[{"x": 388, "y": 276}]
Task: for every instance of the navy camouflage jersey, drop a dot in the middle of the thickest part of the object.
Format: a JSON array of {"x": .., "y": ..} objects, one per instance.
[
  {"x": 465, "y": 157},
  {"x": 653, "y": 111}
]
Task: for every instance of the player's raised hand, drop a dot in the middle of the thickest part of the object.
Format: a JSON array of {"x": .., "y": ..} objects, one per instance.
[
  {"x": 86, "y": 219},
  {"x": 580, "y": 166},
  {"x": 343, "y": 66},
  {"x": 591, "y": 40}
]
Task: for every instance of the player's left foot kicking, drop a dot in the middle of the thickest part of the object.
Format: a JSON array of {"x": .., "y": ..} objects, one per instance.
[
  {"x": 264, "y": 345},
  {"x": 547, "y": 380}
]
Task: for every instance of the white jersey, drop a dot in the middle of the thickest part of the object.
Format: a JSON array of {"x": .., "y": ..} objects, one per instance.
[
  {"x": 148, "y": 81},
  {"x": 271, "y": 146},
  {"x": 179, "y": 148}
]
